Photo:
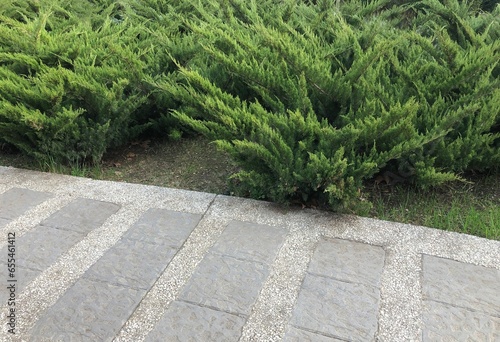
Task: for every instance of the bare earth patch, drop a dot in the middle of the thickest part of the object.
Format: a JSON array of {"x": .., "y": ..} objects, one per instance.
[{"x": 191, "y": 164}]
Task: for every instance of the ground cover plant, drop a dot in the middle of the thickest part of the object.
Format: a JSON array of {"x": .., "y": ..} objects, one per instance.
[
  {"x": 311, "y": 99},
  {"x": 72, "y": 78}
]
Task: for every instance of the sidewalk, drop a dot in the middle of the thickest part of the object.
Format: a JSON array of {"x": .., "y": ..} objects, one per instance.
[{"x": 107, "y": 261}]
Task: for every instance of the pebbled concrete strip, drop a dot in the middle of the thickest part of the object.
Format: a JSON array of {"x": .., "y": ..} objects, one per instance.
[
  {"x": 166, "y": 289},
  {"x": 273, "y": 308},
  {"x": 38, "y": 181},
  {"x": 120, "y": 193},
  {"x": 409, "y": 308},
  {"x": 400, "y": 296}
]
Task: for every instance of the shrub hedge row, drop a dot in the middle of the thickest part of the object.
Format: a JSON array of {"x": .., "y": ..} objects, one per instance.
[{"x": 311, "y": 98}]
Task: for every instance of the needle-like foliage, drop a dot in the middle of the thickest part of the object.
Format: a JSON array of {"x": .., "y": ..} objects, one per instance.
[{"x": 311, "y": 98}]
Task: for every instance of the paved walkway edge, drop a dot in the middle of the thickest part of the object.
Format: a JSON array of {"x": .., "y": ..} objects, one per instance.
[{"x": 405, "y": 294}]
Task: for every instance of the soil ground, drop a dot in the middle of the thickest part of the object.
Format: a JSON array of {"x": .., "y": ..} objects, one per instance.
[
  {"x": 191, "y": 164},
  {"x": 195, "y": 164}
]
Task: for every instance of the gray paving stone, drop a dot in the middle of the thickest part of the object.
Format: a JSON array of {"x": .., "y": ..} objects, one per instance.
[
  {"x": 461, "y": 284},
  {"x": 132, "y": 263},
  {"x": 191, "y": 323},
  {"x": 3, "y": 222},
  {"x": 23, "y": 276},
  {"x": 163, "y": 227},
  {"x": 225, "y": 283},
  {"x": 347, "y": 260},
  {"x": 298, "y": 335},
  {"x": 445, "y": 323},
  {"x": 82, "y": 215},
  {"x": 250, "y": 241},
  {"x": 88, "y": 311},
  {"x": 336, "y": 308},
  {"x": 17, "y": 201},
  {"x": 40, "y": 247}
]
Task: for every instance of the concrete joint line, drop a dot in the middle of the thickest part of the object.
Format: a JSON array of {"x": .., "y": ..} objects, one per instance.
[{"x": 463, "y": 307}]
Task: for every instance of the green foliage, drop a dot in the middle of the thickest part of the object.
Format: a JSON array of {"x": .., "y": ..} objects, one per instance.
[
  {"x": 311, "y": 102},
  {"x": 311, "y": 98},
  {"x": 71, "y": 83},
  {"x": 489, "y": 5}
]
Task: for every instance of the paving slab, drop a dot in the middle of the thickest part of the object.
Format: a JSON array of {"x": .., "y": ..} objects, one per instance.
[
  {"x": 16, "y": 201},
  {"x": 231, "y": 275},
  {"x": 298, "y": 335},
  {"x": 82, "y": 215},
  {"x": 139, "y": 258},
  {"x": 107, "y": 261},
  {"x": 460, "y": 284},
  {"x": 250, "y": 241},
  {"x": 460, "y": 303},
  {"x": 192, "y": 323},
  {"x": 3, "y": 222},
  {"x": 40, "y": 247},
  {"x": 445, "y": 322},
  {"x": 344, "y": 310},
  {"x": 348, "y": 261},
  {"x": 163, "y": 227},
  {"x": 131, "y": 263},
  {"x": 88, "y": 311},
  {"x": 226, "y": 284},
  {"x": 340, "y": 295},
  {"x": 23, "y": 277}
]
